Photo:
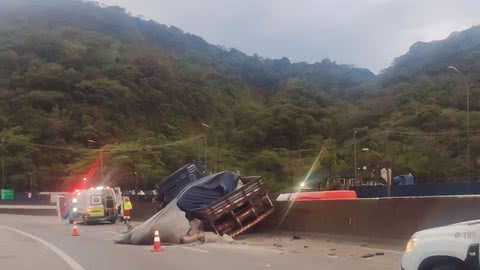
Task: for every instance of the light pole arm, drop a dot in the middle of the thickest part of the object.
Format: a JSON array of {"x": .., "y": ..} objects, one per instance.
[{"x": 377, "y": 153}]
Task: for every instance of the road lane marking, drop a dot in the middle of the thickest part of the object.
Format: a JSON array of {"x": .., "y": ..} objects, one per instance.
[
  {"x": 196, "y": 249},
  {"x": 69, "y": 260}
]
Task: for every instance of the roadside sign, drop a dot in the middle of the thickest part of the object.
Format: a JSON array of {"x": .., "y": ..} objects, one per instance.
[{"x": 7, "y": 194}]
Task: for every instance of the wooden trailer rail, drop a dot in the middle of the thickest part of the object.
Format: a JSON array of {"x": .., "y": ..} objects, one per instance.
[{"x": 240, "y": 210}]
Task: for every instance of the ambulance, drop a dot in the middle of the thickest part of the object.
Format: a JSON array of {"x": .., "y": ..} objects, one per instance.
[{"x": 97, "y": 204}]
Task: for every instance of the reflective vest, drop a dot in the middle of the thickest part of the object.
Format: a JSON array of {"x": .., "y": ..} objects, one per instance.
[{"x": 127, "y": 205}]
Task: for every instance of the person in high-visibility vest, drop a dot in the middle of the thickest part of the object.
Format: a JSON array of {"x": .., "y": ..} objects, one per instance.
[{"x": 127, "y": 209}]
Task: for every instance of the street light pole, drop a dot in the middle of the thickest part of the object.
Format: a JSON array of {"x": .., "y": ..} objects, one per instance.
[
  {"x": 135, "y": 181},
  {"x": 216, "y": 152},
  {"x": 467, "y": 86},
  {"x": 206, "y": 145},
  {"x": 355, "y": 154},
  {"x": 101, "y": 157},
  {"x": 388, "y": 170},
  {"x": 3, "y": 163},
  {"x": 101, "y": 163},
  {"x": 31, "y": 183},
  {"x": 3, "y": 173}
]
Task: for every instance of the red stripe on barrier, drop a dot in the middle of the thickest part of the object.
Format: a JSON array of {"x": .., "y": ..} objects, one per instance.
[{"x": 326, "y": 195}]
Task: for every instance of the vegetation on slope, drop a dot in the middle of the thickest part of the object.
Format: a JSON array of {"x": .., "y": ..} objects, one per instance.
[{"x": 76, "y": 78}]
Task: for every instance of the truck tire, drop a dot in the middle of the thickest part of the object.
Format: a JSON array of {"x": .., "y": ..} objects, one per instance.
[
  {"x": 70, "y": 221},
  {"x": 449, "y": 266}
]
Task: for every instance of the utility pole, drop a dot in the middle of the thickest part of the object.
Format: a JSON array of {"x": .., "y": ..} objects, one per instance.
[{"x": 355, "y": 154}]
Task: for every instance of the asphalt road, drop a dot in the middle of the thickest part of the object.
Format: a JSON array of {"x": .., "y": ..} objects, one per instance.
[{"x": 38, "y": 242}]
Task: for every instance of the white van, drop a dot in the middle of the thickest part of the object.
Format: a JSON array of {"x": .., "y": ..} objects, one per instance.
[
  {"x": 452, "y": 247},
  {"x": 94, "y": 205}
]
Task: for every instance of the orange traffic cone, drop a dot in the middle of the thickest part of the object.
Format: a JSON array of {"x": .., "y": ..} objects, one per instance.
[
  {"x": 75, "y": 231},
  {"x": 157, "y": 246}
]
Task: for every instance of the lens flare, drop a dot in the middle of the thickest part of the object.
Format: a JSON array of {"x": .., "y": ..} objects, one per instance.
[{"x": 294, "y": 195}]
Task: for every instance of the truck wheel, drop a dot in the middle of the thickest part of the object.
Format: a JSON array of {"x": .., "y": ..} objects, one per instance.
[
  {"x": 70, "y": 221},
  {"x": 449, "y": 266}
]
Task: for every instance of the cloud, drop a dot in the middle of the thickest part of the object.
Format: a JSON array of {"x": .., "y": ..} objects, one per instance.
[{"x": 366, "y": 33}]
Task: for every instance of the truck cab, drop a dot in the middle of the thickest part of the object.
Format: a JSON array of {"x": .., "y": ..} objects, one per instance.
[
  {"x": 94, "y": 205},
  {"x": 452, "y": 247}
]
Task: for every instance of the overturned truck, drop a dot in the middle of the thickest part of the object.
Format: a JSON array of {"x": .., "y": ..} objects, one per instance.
[{"x": 224, "y": 203}]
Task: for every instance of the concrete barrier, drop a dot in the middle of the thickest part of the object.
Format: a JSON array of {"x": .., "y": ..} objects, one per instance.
[
  {"x": 53, "y": 195},
  {"x": 396, "y": 218},
  {"x": 30, "y": 210},
  {"x": 142, "y": 209}
]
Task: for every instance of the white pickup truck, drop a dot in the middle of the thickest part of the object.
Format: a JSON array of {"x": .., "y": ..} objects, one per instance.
[{"x": 452, "y": 247}]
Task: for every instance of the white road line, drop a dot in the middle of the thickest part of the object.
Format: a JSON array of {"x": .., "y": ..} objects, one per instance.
[
  {"x": 69, "y": 260},
  {"x": 196, "y": 249}
]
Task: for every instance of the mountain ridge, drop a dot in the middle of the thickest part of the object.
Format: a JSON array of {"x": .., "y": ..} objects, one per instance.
[{"x": 72, "y": 72}]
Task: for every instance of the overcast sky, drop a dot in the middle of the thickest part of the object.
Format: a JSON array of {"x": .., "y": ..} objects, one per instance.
[{"x": 365, "y": 33}]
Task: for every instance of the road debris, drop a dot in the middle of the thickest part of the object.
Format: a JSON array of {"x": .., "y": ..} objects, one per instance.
[
  {"x": 332, "y": 252},
  {"x": 369, "y": 255}
]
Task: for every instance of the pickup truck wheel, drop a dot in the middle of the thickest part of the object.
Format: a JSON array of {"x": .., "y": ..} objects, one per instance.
[{"x": 448, "y": 266}]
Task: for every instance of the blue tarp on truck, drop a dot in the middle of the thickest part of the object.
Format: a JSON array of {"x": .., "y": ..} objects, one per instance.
[
  {"x": 209, "y": 189},
  {"x": 173, "y": 184}
]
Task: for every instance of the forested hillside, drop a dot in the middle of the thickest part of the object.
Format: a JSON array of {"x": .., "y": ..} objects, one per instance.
[
  {"x": 79, "y": 82},
  {"x": 425, "y": 101}
]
